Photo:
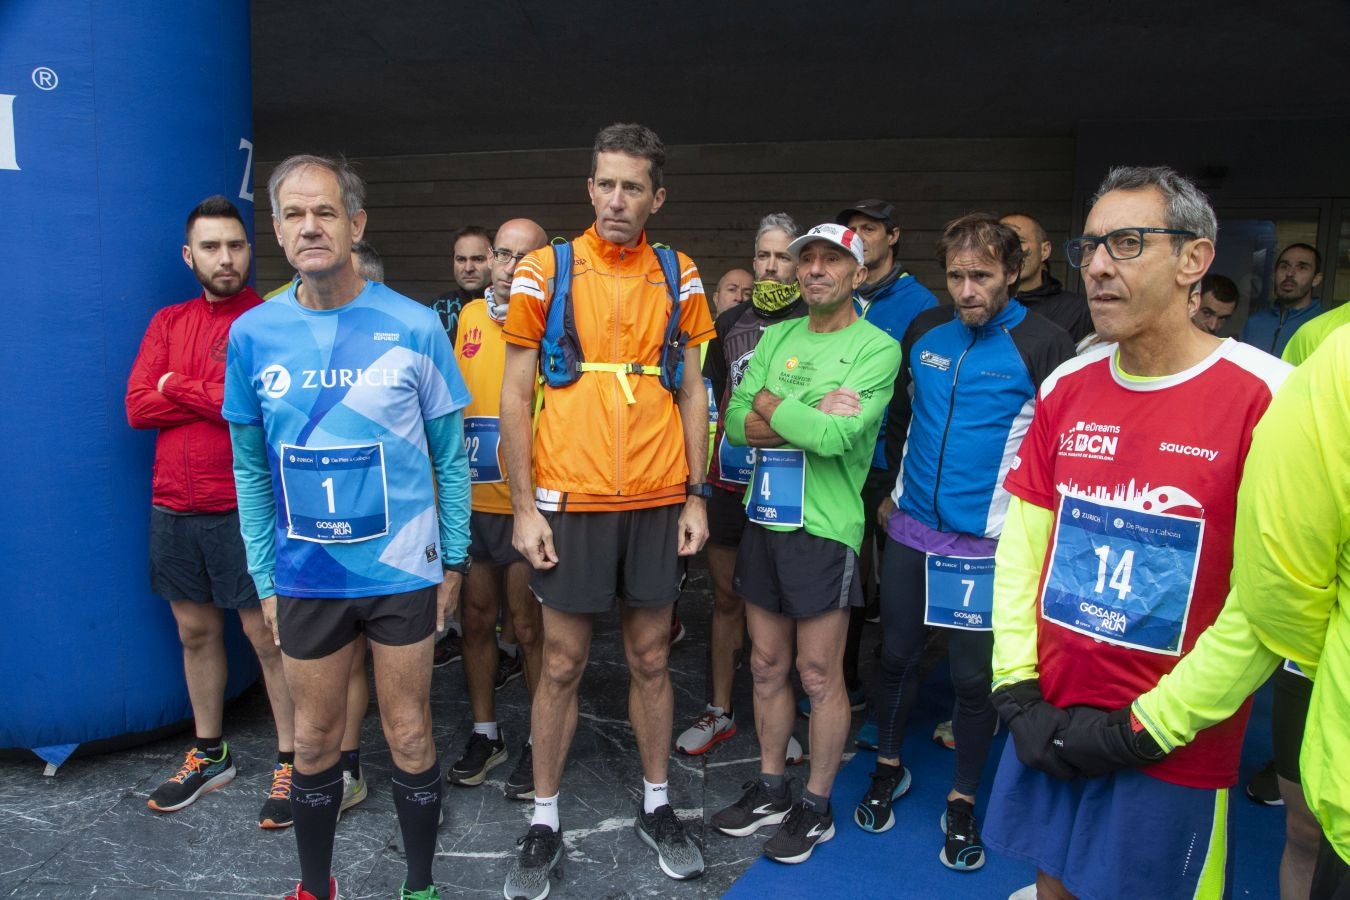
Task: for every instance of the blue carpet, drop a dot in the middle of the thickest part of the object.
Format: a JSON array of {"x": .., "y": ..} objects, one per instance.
[{"x": 903, "y": 862}]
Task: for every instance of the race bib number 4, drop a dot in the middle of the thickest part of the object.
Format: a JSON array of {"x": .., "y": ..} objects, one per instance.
[
  {"x": 1122, "y": 576},
  {"x": 335, "y": 494},
  {"x": 482, "y": 443},
  {"x": 777, "y": 487},
  {"x": 960, "y": 592},
  {"x": 737, "y": 464}
]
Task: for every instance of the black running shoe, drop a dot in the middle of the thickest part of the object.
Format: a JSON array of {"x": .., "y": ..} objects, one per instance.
[
  {"x": 195, "y": 777},
  {"x": 540, "y": 858},
  {"x": 874, "y": 812},
  {"x": 448, "y": 650},
  {"x": 276, "y": 809},
  {"x": 480, "y": 755},
  {"x": 797, "y": 837},
  {"x": 509, "y": 668},
  {"x": 520, "y": 784},
  {"x": 663, "y": 831},
  {"x": 963, "y": 850},
  {"x": 756, "y": 808}
]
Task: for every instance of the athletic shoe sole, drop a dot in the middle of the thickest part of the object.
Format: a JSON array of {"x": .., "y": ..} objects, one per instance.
[
  {"x": 474, "y": 779},
  {"x": 712, "y": 742},
  {"x": 803, "y": 857},
  {"x": 211, "y": 784}
]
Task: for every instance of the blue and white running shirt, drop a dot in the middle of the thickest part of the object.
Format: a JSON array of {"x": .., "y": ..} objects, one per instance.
[{"x": 343, "y": 397}]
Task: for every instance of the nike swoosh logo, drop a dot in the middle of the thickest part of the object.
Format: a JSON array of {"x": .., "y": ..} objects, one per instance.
[{"x": 847, "y": 362}]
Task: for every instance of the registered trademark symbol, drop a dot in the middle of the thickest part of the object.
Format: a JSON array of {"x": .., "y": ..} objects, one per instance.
[{"x": 45, "y": 79}]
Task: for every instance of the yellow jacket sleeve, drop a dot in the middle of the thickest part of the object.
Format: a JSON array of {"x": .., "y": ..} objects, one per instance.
[{"x": 1017, "y": 579}]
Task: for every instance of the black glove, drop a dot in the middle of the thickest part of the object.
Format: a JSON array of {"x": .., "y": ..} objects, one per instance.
[
  {"x": 1033, "y": 723},
  {"x": 1096, "y": 742}
]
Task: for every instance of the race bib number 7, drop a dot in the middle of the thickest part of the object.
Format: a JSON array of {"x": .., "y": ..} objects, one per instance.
[
  {"x": 1122, "y": 576},
  {"x": 335, "y": 494}
]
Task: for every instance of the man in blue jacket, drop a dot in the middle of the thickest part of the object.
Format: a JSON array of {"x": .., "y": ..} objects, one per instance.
[
  {"x": 1298, "y": 272},
  {"x": 963, "y": 401}
]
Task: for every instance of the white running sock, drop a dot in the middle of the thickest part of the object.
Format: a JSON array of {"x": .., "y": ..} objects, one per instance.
[
  {"x": 546, "y": 812},
  {"x": 488, "y": 729},
  {"x": 654, "y": 796}
]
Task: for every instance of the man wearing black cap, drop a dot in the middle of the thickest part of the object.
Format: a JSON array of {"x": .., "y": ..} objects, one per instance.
[{"x": 889, "y": 299}]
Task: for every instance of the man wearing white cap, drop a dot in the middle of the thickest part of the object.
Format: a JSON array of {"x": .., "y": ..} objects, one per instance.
[{"x": 811, "y": 404}]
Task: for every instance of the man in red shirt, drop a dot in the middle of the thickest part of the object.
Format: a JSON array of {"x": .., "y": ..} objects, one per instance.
[{"x": 197, "y": 562}]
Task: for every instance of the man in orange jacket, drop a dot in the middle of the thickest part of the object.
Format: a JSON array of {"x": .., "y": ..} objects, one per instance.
[{"x": 609, "y": 491}]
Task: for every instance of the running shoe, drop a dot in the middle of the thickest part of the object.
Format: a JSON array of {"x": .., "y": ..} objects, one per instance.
[
  {"x": 795, "y": 753},
  {"x": 520, "y": 784},
  {"x": 796, "y": 838},
  {"x": 708, "y": 729},
  {"x": 354, "y": 790},
  {"x": 756, "y": 808},
  {"x": 509, "y": 668},
  {"x": 302, "y": 894},
  {"x": 198, "y": 775},
  {"x": 276, "y": 810},
  {"x": 943, "y": 736},
  {"x": 874, "y": 812},
  {"x": 540, "y": 858},
  {"x": 867, "y": 737},
  {"x": 1264, "y": 786},
  {"x": 448, "y": 650},
  {"x": 426, "y": 893},
  {"x": 962, "y": 851},
  {"x": 480, "y": 755},
  {"x": 662, "y": 830}
]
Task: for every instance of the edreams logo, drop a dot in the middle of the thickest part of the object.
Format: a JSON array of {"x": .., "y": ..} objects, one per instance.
[
  {"x": 1090, "y": 439},
  {"x": 276, "y": 381}
]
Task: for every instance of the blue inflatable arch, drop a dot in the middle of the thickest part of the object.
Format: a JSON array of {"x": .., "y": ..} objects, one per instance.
[{"x": 115, "y": 120}]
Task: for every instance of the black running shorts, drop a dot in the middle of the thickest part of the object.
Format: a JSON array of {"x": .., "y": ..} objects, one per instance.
[
  {"x": 200, "y": 557},
  {"x": 314, "y": 628},
  {"x": 795, "y": 573}
]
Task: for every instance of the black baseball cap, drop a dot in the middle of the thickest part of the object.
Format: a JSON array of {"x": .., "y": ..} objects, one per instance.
[{"x": 877, "y": 209}]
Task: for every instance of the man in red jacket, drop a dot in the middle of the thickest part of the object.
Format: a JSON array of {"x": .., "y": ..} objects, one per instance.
[{"x": 197, "y": 558}]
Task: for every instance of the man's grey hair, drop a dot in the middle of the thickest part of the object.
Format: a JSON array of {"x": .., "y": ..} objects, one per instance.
[
  {"x": 779, "y": 221},
  {"x": 350, "y": 186},
  {"x": 1184, "y": 205},
  {"x": 369, "y": 265}
]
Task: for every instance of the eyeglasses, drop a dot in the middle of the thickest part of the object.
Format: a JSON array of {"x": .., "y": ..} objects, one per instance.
[
  {"x": 505, "y": 256},
  {"x": 1121, "y": 244}
]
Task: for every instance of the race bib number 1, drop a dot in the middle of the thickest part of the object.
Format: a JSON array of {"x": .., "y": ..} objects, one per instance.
[
  {"x": 482, "y": 443},
  {"x": 335, "y": 494},
  {"x": 777, "y": 487},
  {"x": 1123, "y": 576},
  {"x": 960, "y": 592}
]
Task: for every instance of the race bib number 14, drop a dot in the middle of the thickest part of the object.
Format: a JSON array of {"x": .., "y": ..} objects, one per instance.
[{"x": 1123, "y": 576}]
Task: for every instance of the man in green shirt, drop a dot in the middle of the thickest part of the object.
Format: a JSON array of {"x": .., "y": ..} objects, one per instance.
[{"x": 811, "y": 404}]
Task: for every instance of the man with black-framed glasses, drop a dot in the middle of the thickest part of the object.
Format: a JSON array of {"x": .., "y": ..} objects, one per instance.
[
  {"x": 1119, "y": 667},
  {"x": 498, "y": 570}
]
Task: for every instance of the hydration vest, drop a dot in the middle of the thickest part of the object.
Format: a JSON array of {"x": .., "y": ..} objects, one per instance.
[{"x": 560, "y": 359}]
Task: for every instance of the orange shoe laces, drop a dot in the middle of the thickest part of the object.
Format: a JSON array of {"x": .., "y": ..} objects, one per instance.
[
  {"x": 281, "y": 781},
  {"x": 195, "y": 760}
]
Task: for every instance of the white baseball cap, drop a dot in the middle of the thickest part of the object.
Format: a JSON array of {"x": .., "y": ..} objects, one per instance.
[{"x": 838, "y": 235}]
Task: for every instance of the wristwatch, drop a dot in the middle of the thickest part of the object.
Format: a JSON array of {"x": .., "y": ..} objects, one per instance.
[
  {"x": 702, "y": 489},
  {"x": 461, "y": 567}
]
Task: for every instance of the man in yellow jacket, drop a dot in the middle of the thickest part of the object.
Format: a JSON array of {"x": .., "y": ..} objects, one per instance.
[{"x": 1292, "y": 574}]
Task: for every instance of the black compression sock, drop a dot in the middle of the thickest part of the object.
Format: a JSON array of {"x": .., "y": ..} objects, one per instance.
[
  {"x": 417, "y": 800},
  {"x": 314, "y": 807}
]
